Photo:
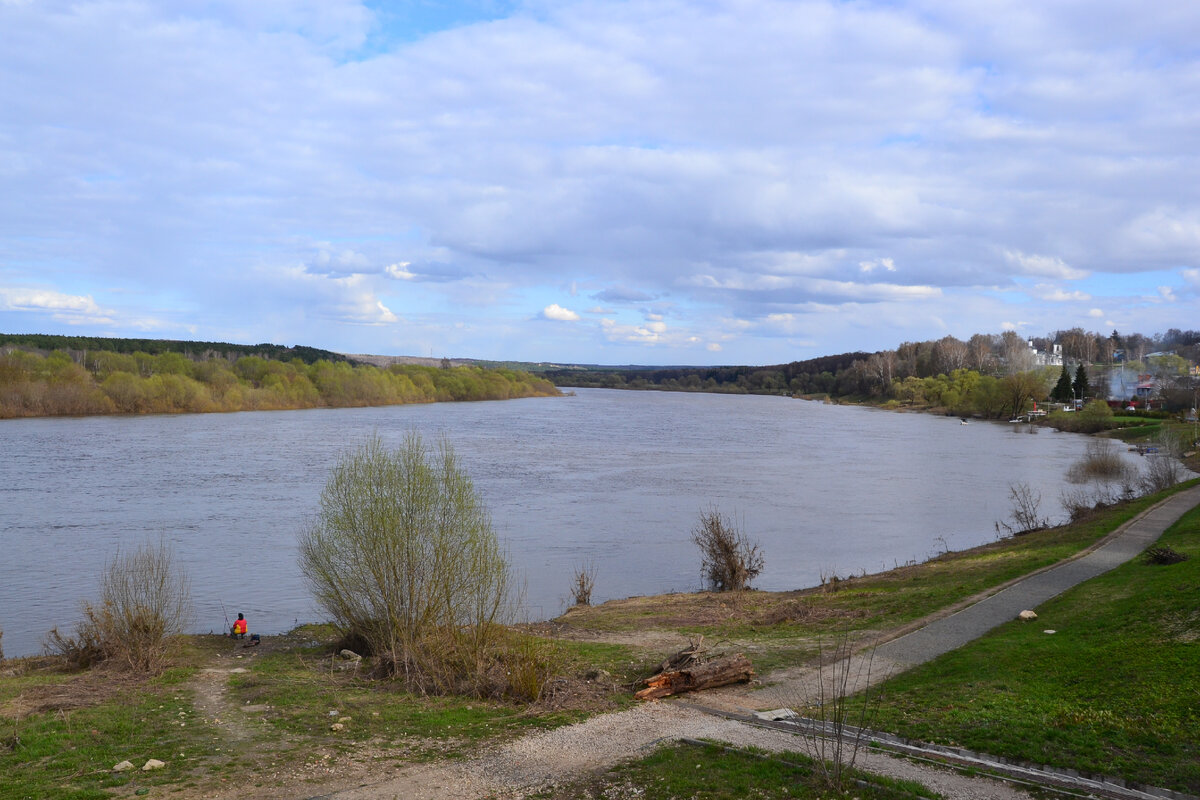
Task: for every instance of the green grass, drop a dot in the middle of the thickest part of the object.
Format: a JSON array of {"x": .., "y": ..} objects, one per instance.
[
  {"x": 70, "y": 753},
  {"x": 778, "y": 623},
  {"x": 714, "y": 772},
  {"x": 1116, "y": 690},
  {"x": 302, "y": 690}
]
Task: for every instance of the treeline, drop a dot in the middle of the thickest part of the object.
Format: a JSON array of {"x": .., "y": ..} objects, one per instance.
[
  {"x": 198, "y": 351},
  {"x": 824, "y": 375},
  {"x": 91, "y": 381},
  {"x": 989, "y": 375}
]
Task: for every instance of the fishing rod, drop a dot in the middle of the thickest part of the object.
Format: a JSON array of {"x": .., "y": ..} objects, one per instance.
[{"x": 228, "y": 627}]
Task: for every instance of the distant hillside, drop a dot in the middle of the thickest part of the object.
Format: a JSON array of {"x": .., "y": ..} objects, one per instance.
[
  {"x": 824, "y": 375},
  {"x": 194, "y": 350}
]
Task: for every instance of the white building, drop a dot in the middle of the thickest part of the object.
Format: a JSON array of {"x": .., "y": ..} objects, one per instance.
[{"x": 1043, "y": 359}]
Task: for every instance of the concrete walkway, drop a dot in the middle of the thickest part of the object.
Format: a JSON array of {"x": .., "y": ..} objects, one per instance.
[
  {"x": 811, "y": 685},
  {"x": 949, "y": 633}
]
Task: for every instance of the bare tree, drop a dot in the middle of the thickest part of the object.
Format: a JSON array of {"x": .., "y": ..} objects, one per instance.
[
  {"x": 728, "y": 560},
  {"x": 980, "y": 352},
  {"x": 949, "y": 354},
  {"x": 1018, "y": 356},
  {"x": 583, "y": 581},
  {"x": 1026, "y": 501},
  {"x": 881, "y": 367}
]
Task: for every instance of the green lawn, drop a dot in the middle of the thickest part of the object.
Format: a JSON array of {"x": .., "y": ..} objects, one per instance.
[
  {"x": 1115, "y": 690},
  {"x": 713, "y": 772}
]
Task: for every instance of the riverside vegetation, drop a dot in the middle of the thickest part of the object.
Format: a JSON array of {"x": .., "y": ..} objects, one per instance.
[
  {"x": 270, "y": 726},
  {"x": 97, "y": 381}
]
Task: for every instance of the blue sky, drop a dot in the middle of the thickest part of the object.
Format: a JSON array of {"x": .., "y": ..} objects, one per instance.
[{"x": 609, "y": 182}]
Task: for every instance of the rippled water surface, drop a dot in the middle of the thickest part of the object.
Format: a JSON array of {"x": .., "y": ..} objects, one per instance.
[{"x": 612, "y": 478}]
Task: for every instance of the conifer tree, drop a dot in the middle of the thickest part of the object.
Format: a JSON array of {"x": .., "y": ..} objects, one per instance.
[
  {"x": 1062, "y": 389},
  {"x": 1081, "y": 382}
]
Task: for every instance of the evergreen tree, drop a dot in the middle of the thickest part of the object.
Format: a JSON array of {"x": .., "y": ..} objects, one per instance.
[
  {"x": 1081, "y": 382},
  {"x": 1062, "y": 389}
]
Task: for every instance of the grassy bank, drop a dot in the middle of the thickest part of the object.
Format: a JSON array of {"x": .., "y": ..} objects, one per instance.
[
  {"x": 292, "y": 712},
  {"x": 1114, "y": 690}
]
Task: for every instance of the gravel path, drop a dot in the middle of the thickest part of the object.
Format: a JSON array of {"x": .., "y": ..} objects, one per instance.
[{"x": 538, "y": 762}]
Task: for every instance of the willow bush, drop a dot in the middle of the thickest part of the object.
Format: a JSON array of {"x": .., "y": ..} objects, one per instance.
[
  {"x": 145, "y": 602},
  {"x": 403, "y": 557}
]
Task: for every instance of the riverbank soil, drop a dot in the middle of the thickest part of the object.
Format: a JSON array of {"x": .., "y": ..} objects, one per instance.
[{"x": 291, "y": 718}]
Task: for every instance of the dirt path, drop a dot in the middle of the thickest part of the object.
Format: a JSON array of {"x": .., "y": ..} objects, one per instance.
[
  {"x": 213, "y": 701},
  {"x": 541, "y": 761}
]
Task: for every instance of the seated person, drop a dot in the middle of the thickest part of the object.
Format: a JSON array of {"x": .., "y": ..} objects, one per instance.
[{"x": 239, "y": 628}]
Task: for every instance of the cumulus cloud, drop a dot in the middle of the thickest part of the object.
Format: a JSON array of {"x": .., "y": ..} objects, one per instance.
[
  {"x": 559, "y": 314},
  {"x": 71, "y": 309},
  {"x": 1055, "y": 294},
  {"x": 1044, "y": 266},
  {"x": 741, "y": 159},
  {"x": 884, "y": 263},
  {"x": 1095, "y": 313}
]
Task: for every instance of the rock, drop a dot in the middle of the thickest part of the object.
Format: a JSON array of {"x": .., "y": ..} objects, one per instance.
[
  {"x": 1027, "y": 615},
  {"x": 350, "y": 655},
  {"x": 1049, "y": 631},
  {"x": 337, "y": 726},
  {"x": 124, "y": 765},
  {"x": 345, "y": 719},
  {"x": 153, "y": 763}
]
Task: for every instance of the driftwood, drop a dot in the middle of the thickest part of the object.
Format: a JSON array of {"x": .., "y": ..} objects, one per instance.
[{"x": 719, "y": 672}]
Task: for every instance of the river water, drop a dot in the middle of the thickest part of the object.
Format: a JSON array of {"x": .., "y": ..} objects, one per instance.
[{"x": 610, "y": 478}]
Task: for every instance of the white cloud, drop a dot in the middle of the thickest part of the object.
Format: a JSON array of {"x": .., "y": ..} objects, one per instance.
[
  {"x": 1095, "y": 313},
  {"x": 738, "y": 160},
  {"x": 1054, "y": 294},
  {"x": 68, "y": 308},
  {"x": 1167, "y": 293},
  {"x": 400, "y": 271},
  {"x": 556, "y": 312},
  {"x": 1044, "y": 266},
  {"x": 713, "y": 347},
  {"x": 883, "y": 263}
]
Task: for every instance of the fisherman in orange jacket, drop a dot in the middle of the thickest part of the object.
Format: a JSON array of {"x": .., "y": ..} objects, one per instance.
[{"x": 239, "y": 627}]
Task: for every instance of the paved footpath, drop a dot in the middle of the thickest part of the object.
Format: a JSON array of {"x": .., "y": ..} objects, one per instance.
[
  {"x": 948, "y": 633},
  {"x": 868, "y": 668}
]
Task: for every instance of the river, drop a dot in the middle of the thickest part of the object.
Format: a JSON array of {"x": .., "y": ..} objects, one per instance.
[{"x": 610, "y": 478}]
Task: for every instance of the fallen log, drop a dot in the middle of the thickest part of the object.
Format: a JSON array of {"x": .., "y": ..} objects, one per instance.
[
  {"x": 710, "y": 675},
  {"x": 687, "y": 657}
]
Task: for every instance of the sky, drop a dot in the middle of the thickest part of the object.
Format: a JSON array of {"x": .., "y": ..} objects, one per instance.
[{"x": 659, "y": 182}]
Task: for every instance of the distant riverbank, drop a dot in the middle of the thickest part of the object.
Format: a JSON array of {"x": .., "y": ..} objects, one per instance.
[{"x": 84, "y": 383}]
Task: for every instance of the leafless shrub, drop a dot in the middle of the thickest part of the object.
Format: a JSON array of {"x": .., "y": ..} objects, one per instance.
[
  {"x": 836, "y": 722},
  {"x": 1026, "y": 502},
  {"x": 145, "y": 601},
  {"x": 1081, "y": 502},
  {"x": 583, "y": 581},
  {"x": 1163, "y": 555},
  {"x": 1163, "y": 468},
  {"x": 728, "y": 560},
  {"x": 1102, "y": 461}
]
